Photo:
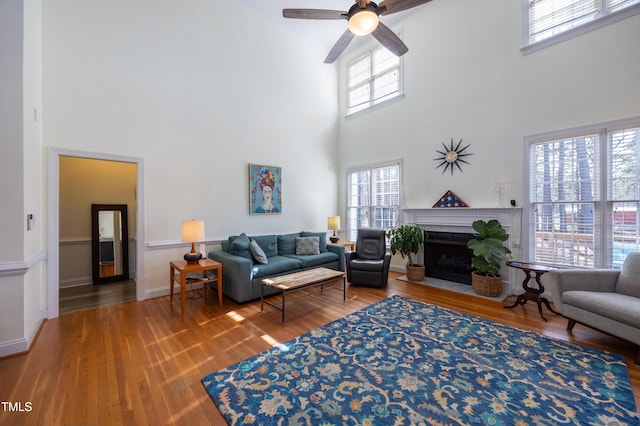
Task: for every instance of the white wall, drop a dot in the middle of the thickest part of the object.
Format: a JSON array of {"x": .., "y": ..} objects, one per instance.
[
  {"x": 198, "y": 96},
  {"x": 465, "y": 78}
]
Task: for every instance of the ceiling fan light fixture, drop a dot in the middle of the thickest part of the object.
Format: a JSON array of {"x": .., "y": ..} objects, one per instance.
[{"x": 363, "y": 22}]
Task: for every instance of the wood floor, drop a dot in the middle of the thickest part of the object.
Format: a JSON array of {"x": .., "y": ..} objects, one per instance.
[
  {"x": 141, "y": 362},
  {"x": 92, "y": 296}
]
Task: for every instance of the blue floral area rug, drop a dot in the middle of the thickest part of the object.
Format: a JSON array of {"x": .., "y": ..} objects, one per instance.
[{"x": 404, "y": 362}]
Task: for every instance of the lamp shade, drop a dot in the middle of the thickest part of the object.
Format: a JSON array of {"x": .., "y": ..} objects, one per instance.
[
  {"x": 192, "y": 231},
  {"x": 333, "y": 223},
  {"x": 363, "y": 22}
]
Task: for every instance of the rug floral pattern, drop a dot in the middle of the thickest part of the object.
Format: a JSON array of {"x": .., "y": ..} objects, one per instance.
[{"x": 404, "y": 362}]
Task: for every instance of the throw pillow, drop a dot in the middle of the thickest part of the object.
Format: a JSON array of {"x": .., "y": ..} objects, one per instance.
[
  {"x": 322, "y": 237},
  {"x": 287, "y": 243},
  {"x": 307, "y": 245},
  {"x": 240, "y": 246},
  {"x": 258, "y": 253}
]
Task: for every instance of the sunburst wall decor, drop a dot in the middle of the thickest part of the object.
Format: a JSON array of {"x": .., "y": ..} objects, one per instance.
[{"x": 451, "y": 156}]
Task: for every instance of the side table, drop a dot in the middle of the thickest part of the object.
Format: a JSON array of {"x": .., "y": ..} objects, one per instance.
[
  {"x": 178, "y": 270},
  {"x": 348, "y": 244},
  {"x": 532, "y": 293}
]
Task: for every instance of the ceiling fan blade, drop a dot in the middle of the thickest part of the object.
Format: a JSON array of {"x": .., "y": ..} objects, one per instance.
[
  {"x": 393, "y": 6},
  {"x": 390, "y": 40},
  {"x": 339, "y": 47},
  {"x": 313, "y": 14}
]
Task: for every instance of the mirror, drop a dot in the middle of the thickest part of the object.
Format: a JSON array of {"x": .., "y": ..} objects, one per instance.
[{"x": 109, "y": 243}]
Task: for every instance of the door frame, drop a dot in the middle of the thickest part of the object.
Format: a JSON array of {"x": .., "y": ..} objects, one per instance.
[{"x": 53, "y": 244}]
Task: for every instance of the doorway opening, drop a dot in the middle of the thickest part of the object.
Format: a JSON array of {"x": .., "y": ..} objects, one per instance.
[{"x": 76, "y": 181}]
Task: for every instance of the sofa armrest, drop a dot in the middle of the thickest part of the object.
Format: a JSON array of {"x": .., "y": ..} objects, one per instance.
[
  {"x": 339, "y": 250},
  {"x": 562, "y": 280},
  {"x": 235, "y": 270}
]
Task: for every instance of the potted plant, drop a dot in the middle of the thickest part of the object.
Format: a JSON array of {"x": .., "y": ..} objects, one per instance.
[
  {"x": 488, "y": 253},
  {"x": 408, "y": 240}
]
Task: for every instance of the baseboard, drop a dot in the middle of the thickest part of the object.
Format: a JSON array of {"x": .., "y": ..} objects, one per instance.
[
  {"x": 156, "y": 292},
  {"x": 22, "y": 345}
]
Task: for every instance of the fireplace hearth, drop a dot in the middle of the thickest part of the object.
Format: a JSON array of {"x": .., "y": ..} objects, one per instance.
[{"x": 447, "y": 257}]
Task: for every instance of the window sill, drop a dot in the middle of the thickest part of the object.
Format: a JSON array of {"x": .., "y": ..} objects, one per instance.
[
  {"x": 582, "y": 29},
  {"x": 386, "y": 102}
]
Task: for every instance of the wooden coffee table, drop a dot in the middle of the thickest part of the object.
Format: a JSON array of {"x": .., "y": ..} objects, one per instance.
[{"x": 297, "y": 281}]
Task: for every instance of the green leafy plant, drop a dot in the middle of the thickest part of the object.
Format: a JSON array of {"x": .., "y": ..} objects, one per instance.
[
  {"x": 406, "y": 239},
  {"x": 488, "y": 251}
]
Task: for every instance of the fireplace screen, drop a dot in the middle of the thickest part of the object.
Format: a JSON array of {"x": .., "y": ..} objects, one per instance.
[{"x": 447, "y": 257}]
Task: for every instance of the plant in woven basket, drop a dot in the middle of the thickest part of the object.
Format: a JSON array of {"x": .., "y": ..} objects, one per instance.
[
  {"x": 488, "y": 251},
  {"x": 408, "y": 240}
]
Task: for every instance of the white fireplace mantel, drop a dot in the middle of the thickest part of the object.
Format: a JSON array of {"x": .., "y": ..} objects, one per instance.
[{"x": 459, "y": 219}]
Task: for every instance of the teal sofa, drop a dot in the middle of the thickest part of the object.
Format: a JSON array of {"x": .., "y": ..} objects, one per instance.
[{"x": 243, "y": 271}]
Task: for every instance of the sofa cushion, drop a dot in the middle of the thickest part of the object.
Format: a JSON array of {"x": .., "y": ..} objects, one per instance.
[
  {"x": 629, "y": 278},
  {"x": 287, "y": 244},
  {"x": 240, "y": 246},
  {"x": 367, "y": 265},
  {"x": 322, "y": 236},
  {"x": 276, "y": 265},
  {"x": 268, "y": 244},
  {"x": 258, "y": 253},
  {"x": 615, "y": 306},
  {"x": 307, "y": 245},
  {"x": 308, "y": 261}
]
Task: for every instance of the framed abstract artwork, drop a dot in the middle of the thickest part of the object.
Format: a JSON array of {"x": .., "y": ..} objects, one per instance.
[{"x": 265, "y": 189}]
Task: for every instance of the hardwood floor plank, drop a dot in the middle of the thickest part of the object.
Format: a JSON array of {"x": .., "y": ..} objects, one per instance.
[{"x": 141, "y": 363}]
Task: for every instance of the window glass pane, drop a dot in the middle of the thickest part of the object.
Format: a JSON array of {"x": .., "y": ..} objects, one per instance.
[
  {"x": 614, "y": 5},
  {"x": 549, "y": 17},
  {"x": 386, "y": 84},
  {"x": 373, "y": 198},
  {"x": 383, "y": 60},
  {"x": 564, "y": 234},
  {"x": 574, "y": 224},
  {"x": 360, "y": 71},
  {"x": 625, "y": 236},
  {"x": 359, "y": 95},
  {"x": 564, "y": 170},
  {"x": 624, "y": 156},
  {"x": 372, "y": 79},
  {"x": 385, "y": 218}
]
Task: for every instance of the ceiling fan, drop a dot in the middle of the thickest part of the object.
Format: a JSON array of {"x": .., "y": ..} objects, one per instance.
[{"x": 363, "y": 20}]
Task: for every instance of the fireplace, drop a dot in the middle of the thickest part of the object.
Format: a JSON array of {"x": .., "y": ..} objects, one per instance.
[
  {"x": 447, "y": 257},
  {"x": 449, "y": 230}
]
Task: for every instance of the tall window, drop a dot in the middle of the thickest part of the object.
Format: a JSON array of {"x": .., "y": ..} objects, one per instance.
[
  {"x": 584, "y": 194},
  {"x": 549, "y": 18},
  {"x": 372, "y": 79},
  {"x": 373, "y": 197}
]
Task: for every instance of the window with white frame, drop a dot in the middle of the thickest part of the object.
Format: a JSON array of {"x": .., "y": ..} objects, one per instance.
[
  {"x": 584, "y": 196},
  {"x": 373, "y": 78},
  {"x": 548, "y": 19},
  {"x": 373, "y": 197}
]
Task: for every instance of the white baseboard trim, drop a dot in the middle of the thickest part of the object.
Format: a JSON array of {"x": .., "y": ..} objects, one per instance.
[
  {"x": 156, "y": 292},
  {"x": 17, "y": 346},
  {"x": 76, "y": 282}
]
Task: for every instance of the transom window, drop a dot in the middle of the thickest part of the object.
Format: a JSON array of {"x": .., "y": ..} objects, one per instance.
[
  {"x": 563, "y": 19},
  {"x": 584, "y": 196},
  {"x": 372, "y": 79},
  {"x": 373, "y": 197}
]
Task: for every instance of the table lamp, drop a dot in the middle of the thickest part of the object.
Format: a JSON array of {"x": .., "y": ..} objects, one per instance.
[
  {"x": 192, "y": 232},
  {"x": 334, "y": 225}
]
